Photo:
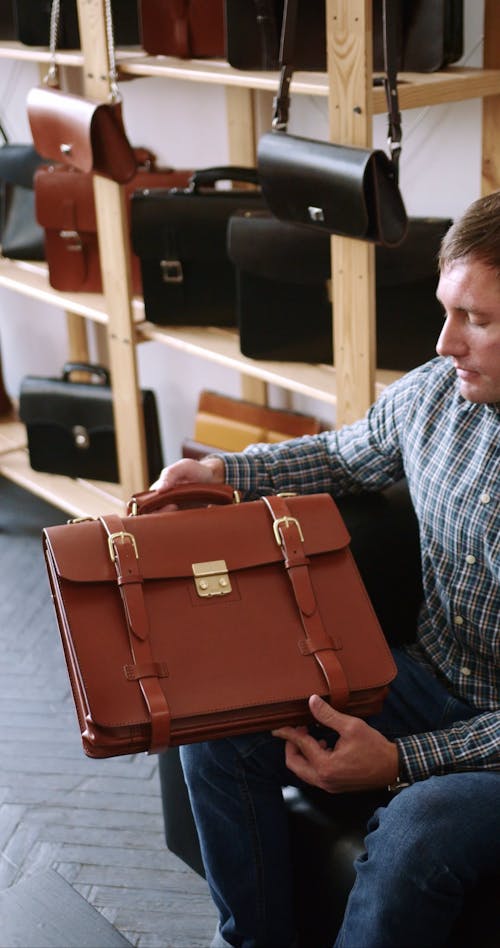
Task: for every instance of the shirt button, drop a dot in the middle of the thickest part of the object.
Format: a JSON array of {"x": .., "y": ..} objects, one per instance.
[
  {"x": 465, "y": 671},
  {"x": 485, "y": 498},
  {"x": 470, "y": 559},
  {"x": 459, "y": 620}
]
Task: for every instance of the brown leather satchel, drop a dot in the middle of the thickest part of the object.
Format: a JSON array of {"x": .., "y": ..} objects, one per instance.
[
  {"x": 65, "y": 208},
  {"x": 231, "y": 424},
  {"x": 191, "y": 624}
]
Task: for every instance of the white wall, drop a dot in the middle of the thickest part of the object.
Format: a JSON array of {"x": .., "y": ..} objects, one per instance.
[{"x": 184, "y": 123}]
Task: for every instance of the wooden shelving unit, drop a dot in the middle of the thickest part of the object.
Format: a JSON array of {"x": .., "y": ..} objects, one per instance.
[{"x": 353, "y": 383}]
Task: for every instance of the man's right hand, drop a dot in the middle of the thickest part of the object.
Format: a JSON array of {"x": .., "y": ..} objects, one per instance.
[{"x": 187, "y": 471}]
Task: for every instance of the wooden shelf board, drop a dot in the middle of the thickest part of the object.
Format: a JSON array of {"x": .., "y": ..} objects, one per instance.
[
  {"x": 11, "y": 49},
  {"x": 31, "y": 279},
  {"x": 76, "y": 497},
  {"x": 222, "y": 346},
  {"x": 415, "y": 89}
]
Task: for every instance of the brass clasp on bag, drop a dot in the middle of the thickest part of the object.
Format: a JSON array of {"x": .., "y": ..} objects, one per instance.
[
  {"x": 211, "y": 578},
  {"x": 121, "y": 535},
  {"x": 286, "y": 521}
]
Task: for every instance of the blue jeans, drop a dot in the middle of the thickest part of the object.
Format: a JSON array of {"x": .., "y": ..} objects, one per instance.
[{"x": 423, "y": 850}]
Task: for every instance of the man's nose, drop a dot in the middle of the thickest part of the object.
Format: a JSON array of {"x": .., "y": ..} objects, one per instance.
[{"x": 451, "y": 341}]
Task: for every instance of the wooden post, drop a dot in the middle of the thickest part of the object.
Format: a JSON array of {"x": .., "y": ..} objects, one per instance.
[
  {"x": 350, "y": 58},
  {"x": 491, "y": 104},
  {"x": 113, "y": 237}
]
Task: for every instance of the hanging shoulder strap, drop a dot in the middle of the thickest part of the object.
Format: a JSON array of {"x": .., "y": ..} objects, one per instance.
[{"x": 281, "y": 103}]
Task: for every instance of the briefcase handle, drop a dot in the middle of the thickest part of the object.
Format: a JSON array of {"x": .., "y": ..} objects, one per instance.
[
  {"x": 89, "y": 368},
  {"x": 207, "y": 177},
  {"x": 183, "y": 495}
]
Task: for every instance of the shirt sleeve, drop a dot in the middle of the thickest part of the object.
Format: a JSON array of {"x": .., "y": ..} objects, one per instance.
[
  {"x": 467, "y": 745},
  {"x": 366, "y": 455}
]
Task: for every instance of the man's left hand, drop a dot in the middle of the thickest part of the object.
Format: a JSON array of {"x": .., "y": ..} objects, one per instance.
[{"x": 362, "y": 758}]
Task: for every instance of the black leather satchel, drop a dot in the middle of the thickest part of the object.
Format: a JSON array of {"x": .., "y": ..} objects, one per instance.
[
  {"x": 32, "y": 23},
  {"x": 179, "y": 234},
  {"x": 70, "y": 424},
  {"x": 283, "y": 278},
  {"x": 338, "y": 189},
  {"x": 21, "y": 237},
  {"x": 429, "y": 34}
]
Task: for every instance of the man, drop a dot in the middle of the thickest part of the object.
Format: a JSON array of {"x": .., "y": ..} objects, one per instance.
[{"x": 438, "y": 736}]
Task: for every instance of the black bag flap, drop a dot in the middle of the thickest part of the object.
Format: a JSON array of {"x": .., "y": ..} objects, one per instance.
[
  {"x": 259, "y": 243},
  {"x": 415, "y": 258},
  {"x": 170, "y": 541},
  {"x": 181, "y": 224},
  {"x": 56, "y": 402},
  {"x": 336, "y": 188},
  {"x": 18, "y": 164}
]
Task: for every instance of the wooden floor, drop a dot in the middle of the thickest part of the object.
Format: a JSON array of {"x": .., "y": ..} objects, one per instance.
[{"x": 97, "y": 823}]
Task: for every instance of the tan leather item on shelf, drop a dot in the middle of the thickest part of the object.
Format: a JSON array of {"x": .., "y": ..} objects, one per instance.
[
  {"x": 184, "y": 28},
  {"x": 65, "y": 208},
  {"x": 230, "y": 424},
  {"x": 81, "y": 132},
  {"x": 195, "y": 623}
]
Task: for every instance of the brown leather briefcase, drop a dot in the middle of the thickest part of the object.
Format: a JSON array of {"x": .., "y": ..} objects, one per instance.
[{"x": 190, "y": 624}]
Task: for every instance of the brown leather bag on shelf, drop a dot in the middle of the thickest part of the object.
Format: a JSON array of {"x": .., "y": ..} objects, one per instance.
[
  {"x": 207, "y": 621},
  {"x": 65, "y": 208},
  {"x": 230, "y": 424},
  {"x": 188, "y": 29}
]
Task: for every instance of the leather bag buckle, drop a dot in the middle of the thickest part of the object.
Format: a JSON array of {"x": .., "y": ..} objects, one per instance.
[
  {"x": 286, "y": 521},
  {"x": 121, "y": 535}
]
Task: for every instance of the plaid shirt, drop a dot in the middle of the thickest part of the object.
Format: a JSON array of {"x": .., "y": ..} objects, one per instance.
[{"x": 449, "y": 450}]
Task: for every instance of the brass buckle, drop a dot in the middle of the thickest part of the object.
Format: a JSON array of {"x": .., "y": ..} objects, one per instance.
[
  {"x": 122, "y": 535},
  {"x": 286, "y": 521},
  {"x": 211, "y": 578}
]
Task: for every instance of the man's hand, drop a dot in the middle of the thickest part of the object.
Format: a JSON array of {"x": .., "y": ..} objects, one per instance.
[
  {"x": 187, "y": 471},
  {"x": 362, "y": 758}
]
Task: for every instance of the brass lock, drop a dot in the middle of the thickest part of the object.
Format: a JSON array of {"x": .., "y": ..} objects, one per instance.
[{"x": 211, "y": 578}]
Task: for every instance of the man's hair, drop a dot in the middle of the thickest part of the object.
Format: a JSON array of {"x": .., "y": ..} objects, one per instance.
[{"x": 475, "y": 233}]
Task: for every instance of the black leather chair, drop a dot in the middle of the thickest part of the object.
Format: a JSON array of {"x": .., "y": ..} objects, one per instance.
[{"x": 327, "y": 832}]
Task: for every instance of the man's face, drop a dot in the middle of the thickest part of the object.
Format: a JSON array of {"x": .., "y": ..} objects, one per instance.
[{"x": 470, "y": 293}]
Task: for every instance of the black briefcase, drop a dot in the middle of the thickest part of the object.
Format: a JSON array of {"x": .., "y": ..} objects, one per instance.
[
  {"x": 179, "y": 234},
  {"x": 429, "y": 34},
  {"x": 70, "y": 424},
  {"x": 283, "y": 278},
  {"x": 32, "y": 23}
]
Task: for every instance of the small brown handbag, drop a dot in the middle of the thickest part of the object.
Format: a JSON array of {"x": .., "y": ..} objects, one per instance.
[
  {"x": 79, "y": 131},
  {"x": 190, "y": 624}
]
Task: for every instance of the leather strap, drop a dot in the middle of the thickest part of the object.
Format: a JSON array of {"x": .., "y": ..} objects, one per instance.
[
  {"x": 317, "y": 641},
  {"x": 145, "y": 669},
  {"x": 281, "y": 103}
]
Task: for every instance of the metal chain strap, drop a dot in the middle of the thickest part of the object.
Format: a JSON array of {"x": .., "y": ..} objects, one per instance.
[{"x": 52, "y": 77}]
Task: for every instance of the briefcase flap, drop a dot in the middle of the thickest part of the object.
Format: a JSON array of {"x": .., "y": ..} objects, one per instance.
[
  {"x": 65, "y": 196},
  {"x": 181, "y": 224},
  {"x": 415, "y": 258},
  {"x": 54, "y": 402},
  {"x": 259, "y": 243},
  {"x": 168, "y": 543}
]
